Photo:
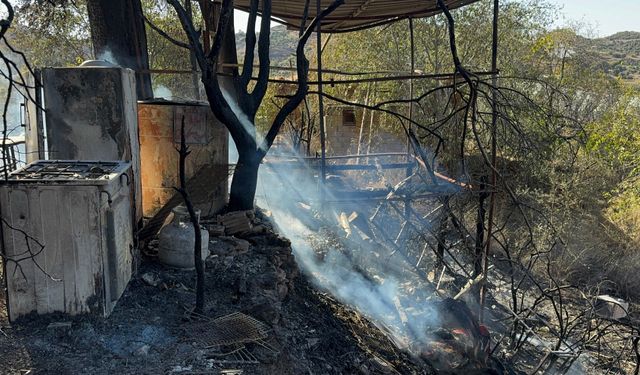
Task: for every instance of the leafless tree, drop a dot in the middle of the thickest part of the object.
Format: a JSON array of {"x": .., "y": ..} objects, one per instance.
[
  {"x": 235, "y": 104},
  {"x": 17, "y": 84},
  {"x": 197, "y": 247}
]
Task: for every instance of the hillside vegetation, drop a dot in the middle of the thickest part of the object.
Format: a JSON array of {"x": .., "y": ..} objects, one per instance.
[
  {"x": 283, "y": 44},
  {"x": 617, "y": 55}
]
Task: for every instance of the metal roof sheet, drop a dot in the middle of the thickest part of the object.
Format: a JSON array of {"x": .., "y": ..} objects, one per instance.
[{"x": 355, "y": 14}]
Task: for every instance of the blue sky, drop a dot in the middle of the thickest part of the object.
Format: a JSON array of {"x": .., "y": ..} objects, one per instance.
[
  {"x": 606, "y": 17},
  {"x": 597, "y": 15}
]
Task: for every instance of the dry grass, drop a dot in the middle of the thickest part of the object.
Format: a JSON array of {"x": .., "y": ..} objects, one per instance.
[{"x": 600, "y": 257}]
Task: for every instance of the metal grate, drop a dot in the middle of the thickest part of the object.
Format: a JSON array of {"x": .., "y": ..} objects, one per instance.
[
  {"x": 235, "y": 328},
  {"x": 237, "y": 355},
  {"x": 66, "y": 170}
]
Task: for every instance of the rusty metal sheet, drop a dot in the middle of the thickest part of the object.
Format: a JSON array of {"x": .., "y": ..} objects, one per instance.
[{"x": 196, "y": 130}]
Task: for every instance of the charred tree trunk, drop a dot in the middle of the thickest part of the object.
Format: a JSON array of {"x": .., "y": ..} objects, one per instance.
[
  {"x": 244, "y": 182},
  {"x": 117, "y": 29},
  {"x": 235, "y": 99}
]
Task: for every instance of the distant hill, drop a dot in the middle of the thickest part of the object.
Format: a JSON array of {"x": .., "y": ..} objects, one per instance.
[
  {"x": 283, "y": 44},
  {"x": 617, "y": 54}
]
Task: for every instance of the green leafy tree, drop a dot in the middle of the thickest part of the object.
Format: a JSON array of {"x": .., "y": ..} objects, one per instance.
[{"x": 615, "y": 139}]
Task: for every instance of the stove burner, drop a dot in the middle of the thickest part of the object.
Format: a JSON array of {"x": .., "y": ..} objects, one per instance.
[{"x": 66, "y": 170}]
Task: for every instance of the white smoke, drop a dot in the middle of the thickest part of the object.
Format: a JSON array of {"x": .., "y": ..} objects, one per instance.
[
  {"x": 108, "y": 56},
  {"x": 247, "y": 125},
  {"x": 162, "y": 92},
  {"x": 233, "y": 151},
  {"x": 383, "y": 297},
  {"x": 339, "y": 271}
]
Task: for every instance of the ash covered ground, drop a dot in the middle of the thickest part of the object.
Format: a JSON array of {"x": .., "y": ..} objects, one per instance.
[{"x": 151, "y": 332}]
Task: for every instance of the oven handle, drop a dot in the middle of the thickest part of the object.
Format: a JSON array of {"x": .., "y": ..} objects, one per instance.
[
  {"x": 112, "y": 255},
  {"x": 127, "y": 176},
  {"x": 109, "y": 200}
]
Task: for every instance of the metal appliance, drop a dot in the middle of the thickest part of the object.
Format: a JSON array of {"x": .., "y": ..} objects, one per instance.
[
  {"x": 90, "y": 114},
  {"x": 66, "y": 226}
]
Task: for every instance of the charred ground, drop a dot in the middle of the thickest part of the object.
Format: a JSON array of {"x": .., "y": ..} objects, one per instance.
[{"x": 149, "y": 331}]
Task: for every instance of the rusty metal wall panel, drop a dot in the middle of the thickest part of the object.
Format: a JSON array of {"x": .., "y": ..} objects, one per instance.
[{"x": 159, "y": 126}]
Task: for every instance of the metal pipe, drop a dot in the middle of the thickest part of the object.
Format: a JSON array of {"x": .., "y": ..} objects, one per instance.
[
  {"x": 411, "y": 89},
  {"x": 362, "y": 156},
  {"x": 344, "y": 167},
  {"x": 432, "y": 76}
]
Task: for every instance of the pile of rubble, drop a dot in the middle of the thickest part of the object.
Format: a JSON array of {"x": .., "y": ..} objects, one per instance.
[
  {"x": 232, "y": 235},
  {"x": 257, "y": 279},
  {"x": 237, "y": 223},
  {"x": 265, "y": 285},
  {"x": 454, "y": 341}
]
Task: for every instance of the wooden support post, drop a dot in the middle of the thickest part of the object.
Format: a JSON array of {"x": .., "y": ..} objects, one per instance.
[
  {"x": 323, "y": 172},
  {"x": 441, "y": 236},
  {"x": 362, "y": 121},
  {"x": 407, "y": 203},
  {"x": 192, "y": 59},
  {"x": 411, "y": 89},
  {"x": 494, "y": 174}
]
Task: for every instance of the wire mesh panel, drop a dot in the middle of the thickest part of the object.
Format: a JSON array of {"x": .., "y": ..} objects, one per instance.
[{"x": 235, "y": 328}]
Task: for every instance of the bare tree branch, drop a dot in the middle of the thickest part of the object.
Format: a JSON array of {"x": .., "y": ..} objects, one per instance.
[
  {"x": 302, "y": 65},
  {"x": 250, "y": 45},
  {"x": 263, "y": 55},
  {"x": 164, "y": 34}
]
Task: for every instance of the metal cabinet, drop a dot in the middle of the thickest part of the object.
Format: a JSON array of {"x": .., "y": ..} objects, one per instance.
[{"x": 67, "y": 229}]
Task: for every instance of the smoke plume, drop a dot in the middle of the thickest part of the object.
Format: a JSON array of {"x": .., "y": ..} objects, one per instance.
[{"x": 377, "y": 283}]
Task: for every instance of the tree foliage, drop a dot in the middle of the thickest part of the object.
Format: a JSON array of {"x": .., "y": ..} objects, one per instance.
[{"x": 566, "y": 138}]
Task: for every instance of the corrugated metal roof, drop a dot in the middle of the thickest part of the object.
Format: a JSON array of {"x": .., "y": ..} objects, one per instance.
[{"x": 355, "y": 14}]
